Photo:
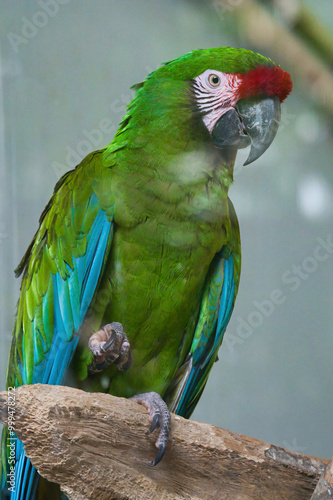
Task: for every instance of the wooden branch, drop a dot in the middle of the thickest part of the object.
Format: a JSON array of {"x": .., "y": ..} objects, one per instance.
[
  {"x": 311, "y": 29},
  {"x": 324, "y": 488},
  {"x": 94, "y": 446}
]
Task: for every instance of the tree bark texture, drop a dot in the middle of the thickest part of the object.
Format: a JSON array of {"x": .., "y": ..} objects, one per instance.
[{"x": 95, "y": 446}]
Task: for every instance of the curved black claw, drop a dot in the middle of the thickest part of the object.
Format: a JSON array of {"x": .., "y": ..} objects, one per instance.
[
  {"x": 159, "y": 455},
  {"x": 159, "y": 416},
  {"x": 154, "y": 423},
  {"x": 110, "y": 345}
]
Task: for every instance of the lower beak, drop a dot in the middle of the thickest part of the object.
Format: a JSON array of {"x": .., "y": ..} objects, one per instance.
[{"x": 253, "y": 122}]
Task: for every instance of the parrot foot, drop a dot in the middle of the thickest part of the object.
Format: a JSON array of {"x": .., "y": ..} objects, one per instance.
[
  {"x": 159, "y": 415},
  {"x": 110, "y": 345}
]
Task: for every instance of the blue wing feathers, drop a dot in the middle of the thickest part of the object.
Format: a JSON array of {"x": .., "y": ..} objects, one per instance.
[
  {"x": 62, "y": 302},
  {"x": 47, "y": 311},
  {"x": 64, "y": 307},
  {"x": 220, "y": 300},
  {"x": 95, "y": 262},
  {"x": 74, "y": 297},
  {"x": 227, "y": 299}
]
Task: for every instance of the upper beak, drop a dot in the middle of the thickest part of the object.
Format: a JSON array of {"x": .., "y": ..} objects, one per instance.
[{"x": 253, "y": 121}]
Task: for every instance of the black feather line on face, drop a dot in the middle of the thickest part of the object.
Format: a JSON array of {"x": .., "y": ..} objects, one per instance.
[
  {"x": 210, "y": 99},
  {"x": 193, "y": 99}
]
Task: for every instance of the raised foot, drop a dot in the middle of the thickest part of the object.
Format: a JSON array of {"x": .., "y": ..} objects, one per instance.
[
  {"x": 110, "y": 345},
  {"x": 159, "y": 416}
]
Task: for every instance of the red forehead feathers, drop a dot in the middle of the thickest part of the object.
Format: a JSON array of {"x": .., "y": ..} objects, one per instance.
[{"x": 265, "y": 81}]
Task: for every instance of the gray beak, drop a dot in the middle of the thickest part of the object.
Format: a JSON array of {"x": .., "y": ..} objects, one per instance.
[{"x": 253, "y": 122}]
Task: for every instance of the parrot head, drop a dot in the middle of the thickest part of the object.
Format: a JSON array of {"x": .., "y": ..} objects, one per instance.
[
  {"x": 236, "y": 92},
  {"x": 242, "y": 109}
]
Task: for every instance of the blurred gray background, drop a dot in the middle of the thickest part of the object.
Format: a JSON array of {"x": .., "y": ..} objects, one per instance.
[{"x": 66, "y": 65}]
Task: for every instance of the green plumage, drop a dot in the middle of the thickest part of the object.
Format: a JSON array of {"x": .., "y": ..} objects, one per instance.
[
  {"x": 163, "y": 180},
  {"x": 163, "y": 185}
]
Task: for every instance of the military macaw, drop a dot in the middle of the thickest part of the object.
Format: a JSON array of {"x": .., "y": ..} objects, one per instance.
[{"x": 129, "y": 282}]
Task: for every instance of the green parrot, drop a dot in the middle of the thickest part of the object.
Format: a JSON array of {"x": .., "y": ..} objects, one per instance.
[{"x": 129, "y": 282}]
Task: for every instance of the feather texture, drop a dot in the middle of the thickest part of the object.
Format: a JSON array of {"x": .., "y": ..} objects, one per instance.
[{"x": 142, "y": 233}]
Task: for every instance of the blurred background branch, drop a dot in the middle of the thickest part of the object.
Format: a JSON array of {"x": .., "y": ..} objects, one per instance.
[{"x": 292, "y": 35}]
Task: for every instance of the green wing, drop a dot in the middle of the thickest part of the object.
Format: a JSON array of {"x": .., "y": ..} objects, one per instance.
[
  {"x": 217, "y": 304},
  {"x": 62, "y": 269}
]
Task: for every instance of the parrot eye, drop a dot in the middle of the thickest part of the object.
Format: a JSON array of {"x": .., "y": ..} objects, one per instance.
[{"x": 214, "y": 80}]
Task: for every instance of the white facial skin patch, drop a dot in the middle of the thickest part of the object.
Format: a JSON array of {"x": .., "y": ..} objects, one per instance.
[{"x": 216, "y": 93}]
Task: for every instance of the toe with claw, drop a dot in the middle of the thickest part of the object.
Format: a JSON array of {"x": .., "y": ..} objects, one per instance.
[
  {"x": 159, "y": 416},
  {"x": 110, "y": 346}
]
